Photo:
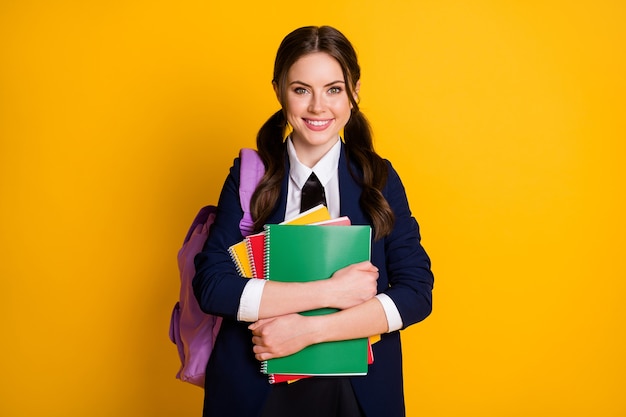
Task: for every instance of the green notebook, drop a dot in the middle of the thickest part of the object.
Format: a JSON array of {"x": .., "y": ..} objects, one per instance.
[{"x": 295, "y": 253}]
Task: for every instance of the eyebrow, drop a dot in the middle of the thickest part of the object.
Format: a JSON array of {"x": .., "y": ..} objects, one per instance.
[{"x": 307, "y": 85}]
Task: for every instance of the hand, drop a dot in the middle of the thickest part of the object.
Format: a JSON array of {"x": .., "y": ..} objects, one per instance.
[
  {"x": 281, "y": 336},
  {"x": 353, "y": 285}
]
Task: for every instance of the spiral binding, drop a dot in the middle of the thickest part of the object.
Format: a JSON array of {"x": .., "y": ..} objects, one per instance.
[
  {"x": 255, "y": 273},
  {"x": 236, "y": 261},
  {"x": 266, "y": 254},
  {"x": 266, "y": 274}
]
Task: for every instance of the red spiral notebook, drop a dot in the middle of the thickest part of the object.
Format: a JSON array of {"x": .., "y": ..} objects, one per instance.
[{"x": 255, "y": 245}]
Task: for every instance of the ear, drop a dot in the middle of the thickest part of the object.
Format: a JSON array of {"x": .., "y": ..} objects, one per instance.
[
  {"x": 357, "y": 88},
  {"x": 275, "y": 86},
  {"x": 355, "y": 92}
]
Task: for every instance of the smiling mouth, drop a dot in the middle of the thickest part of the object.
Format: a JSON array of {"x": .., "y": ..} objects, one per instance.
[{"x": 317, "y": 123}]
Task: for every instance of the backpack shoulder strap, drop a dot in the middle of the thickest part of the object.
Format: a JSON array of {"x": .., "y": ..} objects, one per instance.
[{"x": 252, "y": 170}]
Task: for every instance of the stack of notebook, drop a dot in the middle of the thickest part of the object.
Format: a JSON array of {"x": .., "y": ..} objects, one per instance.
[
  {"x": 305, "y": 249},
  {"x": 249, "y": 253}
]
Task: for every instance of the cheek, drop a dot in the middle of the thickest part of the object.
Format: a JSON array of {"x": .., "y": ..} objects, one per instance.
[
  {"x": 343, "y": 109},
  {"x": 294, "y": 107},
  {"x": 292, "y": 115}
]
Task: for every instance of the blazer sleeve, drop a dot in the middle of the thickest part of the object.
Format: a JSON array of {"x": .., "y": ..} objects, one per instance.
[
  {"x": 216, "y": 284},
  {"x": 408, "y": 266}
]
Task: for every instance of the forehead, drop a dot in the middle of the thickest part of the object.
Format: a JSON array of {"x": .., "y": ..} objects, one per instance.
[{"x": 317, "y": 67}]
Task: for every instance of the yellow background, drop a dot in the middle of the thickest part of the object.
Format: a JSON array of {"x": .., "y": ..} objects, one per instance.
[{"x": 505, "y": 119}]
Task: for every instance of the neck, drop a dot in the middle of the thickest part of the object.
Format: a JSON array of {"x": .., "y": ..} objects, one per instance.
[{"x": 310, "y": 155}]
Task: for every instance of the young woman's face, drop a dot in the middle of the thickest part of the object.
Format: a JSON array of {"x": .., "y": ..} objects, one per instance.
[{"x": 316, "y": 103}]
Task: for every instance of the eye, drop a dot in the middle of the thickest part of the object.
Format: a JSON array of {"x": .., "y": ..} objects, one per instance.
[
  {"x": 335, "y": 90},
  {"x": 300, "y": 90}
]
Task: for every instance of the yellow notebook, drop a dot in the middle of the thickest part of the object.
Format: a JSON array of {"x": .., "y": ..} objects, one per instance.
[
  {"x": 316, "y": 214},
  {"x": 239, "y": 254}
]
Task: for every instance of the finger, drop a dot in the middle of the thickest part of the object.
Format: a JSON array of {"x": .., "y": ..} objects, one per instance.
[
  {"x": 262, "y": 354},
  {"x": 259, "y": 349},
  {"x": 260, "y": 323},
  {"x": 254, "y": 326},
  {"x": 257, "y": 326},
  {"x": 366, "y": 266}
]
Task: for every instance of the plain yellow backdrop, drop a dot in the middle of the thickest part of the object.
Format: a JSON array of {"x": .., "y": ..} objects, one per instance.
[{"x": 505, "y": 119}]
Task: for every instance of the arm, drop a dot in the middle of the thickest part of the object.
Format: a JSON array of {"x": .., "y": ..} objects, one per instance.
[
  {"x": 284, "y": 335},
  {"x": 409, "y": 275},
  {"x": 347, "y": 287},
  {"x": 217, "y": 285},
  {"x": 351, "y": 289}
]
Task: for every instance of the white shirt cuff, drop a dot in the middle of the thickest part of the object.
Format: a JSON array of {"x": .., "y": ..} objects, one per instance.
[
  {"x": 250, "y": 300},
  {"x": 394, "y": 321}
]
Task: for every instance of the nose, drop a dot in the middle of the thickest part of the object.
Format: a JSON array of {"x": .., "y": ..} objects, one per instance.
[{"x": 316, "y": 104}]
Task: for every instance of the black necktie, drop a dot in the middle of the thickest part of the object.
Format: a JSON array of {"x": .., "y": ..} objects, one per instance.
[{"x": 312, "y": 193}]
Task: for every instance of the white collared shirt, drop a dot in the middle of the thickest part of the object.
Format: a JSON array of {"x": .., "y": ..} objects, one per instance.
[{"x": 326, "y": 171}]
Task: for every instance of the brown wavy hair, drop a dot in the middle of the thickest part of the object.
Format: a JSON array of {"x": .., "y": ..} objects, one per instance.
[{"x": 357, "y": 132}]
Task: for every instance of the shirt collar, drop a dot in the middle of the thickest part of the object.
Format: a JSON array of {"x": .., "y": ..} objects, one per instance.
[{"x": 325, "y": 169}]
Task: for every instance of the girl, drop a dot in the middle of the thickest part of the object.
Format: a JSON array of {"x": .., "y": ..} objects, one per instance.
[{"x": 317, "y": 81}]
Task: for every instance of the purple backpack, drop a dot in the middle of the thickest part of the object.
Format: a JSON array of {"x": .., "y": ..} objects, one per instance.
[{"x": 192, "y": 330}]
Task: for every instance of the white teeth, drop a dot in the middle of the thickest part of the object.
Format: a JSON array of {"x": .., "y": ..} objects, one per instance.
[{"x": 317, "y": 122}]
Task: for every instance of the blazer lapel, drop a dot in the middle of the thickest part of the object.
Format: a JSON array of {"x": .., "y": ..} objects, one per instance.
[{"x": 350, "y": 191}]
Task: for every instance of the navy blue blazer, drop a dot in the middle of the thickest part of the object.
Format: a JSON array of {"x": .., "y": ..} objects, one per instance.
[{"x": 234, "y": 384}]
